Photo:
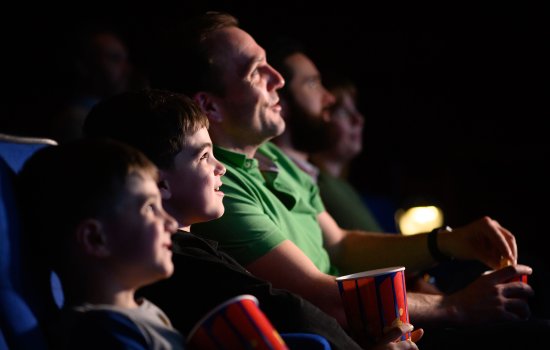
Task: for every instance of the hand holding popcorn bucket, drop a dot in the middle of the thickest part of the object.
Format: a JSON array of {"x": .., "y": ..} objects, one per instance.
[
  {"x": 374, "y": 301},
  {"x": 507, "y": 262},
  {"x": 236, "y": 324}
]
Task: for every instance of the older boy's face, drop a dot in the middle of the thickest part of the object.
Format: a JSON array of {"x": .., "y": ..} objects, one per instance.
[
  {"x": 138, "y": 234},
  {"x": 195, "y": 182},
  {"x": 250, "y": 105}
]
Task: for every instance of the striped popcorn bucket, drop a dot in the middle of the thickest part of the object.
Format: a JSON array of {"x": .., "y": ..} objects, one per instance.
[
  {"x": 236, "y": 324},
  {"x": 374, "y": 301}
]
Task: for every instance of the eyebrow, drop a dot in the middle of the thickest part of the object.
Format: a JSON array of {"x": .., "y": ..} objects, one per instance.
[
  {"x": 254, "y": 62},
  {"x": 202, "y": 147},
  {"x": 145, "y": 197}
]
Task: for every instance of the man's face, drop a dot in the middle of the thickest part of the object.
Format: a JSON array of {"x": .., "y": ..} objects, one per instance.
[
  {"x": 308, "y": 106},
  {"x": 250, "y": 104}
]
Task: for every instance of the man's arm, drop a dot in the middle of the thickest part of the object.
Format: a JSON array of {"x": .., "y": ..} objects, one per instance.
[
  {"x": 353, "y": 251},
  {"x": 286, "y": 266},
  {"x": 488, "y": 299}
]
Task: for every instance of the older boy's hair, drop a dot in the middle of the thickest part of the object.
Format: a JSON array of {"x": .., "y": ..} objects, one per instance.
[
  {"x": 186, "y": 57},
  {"x": 157, "y": 122},
  {"x": 60, "y": 186}
]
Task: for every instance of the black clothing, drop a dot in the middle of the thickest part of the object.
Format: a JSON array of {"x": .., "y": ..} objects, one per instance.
[{"x": 205, "y": 277}]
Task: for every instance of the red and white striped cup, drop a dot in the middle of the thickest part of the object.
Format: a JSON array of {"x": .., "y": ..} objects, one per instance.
[
  {"x": 374, "y": 301},
  {"x": 236, "y": 324}
]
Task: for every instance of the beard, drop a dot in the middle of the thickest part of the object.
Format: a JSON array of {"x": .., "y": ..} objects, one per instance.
[{"x": 308, "y": 133}]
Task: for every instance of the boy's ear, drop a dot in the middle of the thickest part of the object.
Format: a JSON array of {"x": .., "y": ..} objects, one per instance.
[
  {"x": 164, "y": 186},
  {"x": 91, "y": 238},
  {"x": 209, "y": 106}
]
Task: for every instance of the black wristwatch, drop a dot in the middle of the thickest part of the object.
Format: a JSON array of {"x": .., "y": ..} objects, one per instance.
[{"x": 432, "y": 244}]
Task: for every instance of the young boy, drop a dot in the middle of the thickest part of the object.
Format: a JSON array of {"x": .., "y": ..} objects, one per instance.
[
  {"x": 94, "y": 212},
  {"x": 172, "y": 131}
]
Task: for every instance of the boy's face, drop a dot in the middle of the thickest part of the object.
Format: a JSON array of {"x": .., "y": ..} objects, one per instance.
[
  {"x": 139, "y": 233},
  {"x": 194, "y": 182}
]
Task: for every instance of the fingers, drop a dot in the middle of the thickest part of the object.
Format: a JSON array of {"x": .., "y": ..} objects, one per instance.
[
  {"x": 391, "y": 339},
  {"x": 395, "y": 333},
  {"x": 417, "y": 335},
  {"x": 518, "y": 290},
  {"x": 518, "y": 309},
  {"x": 505, "y": 244},
  {"x": 504, "y": 274},
  {"x": 504, "y": 261},
  {"x": 511, "y": 240},
  {"x": 405, "y": 345}
]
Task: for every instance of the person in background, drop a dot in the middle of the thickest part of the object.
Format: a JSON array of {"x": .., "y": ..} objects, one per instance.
[
  {"x": 322, "y": 126},
  {"x": 93, "y": 213},
  {"x": 97, "y": 65},
  {"x": 344, "y": 142}
]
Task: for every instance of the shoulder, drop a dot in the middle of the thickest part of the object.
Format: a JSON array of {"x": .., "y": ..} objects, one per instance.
[{"x": 104, "y": 328}]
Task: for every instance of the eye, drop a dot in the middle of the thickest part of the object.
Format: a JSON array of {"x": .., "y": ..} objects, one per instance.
[
  {"x": 205, "y": 156},
  {"x": 313, "y": 83},
  {"x": 255, "y": 74},
  {"x": 151, "y": 208}
]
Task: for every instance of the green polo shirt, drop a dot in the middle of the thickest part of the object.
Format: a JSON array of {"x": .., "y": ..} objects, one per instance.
[{"x": 267, "y": 200}]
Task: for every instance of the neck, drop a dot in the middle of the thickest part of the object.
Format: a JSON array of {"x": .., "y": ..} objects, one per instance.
[
  {"x": 237, "y": 144},
  {"x": 334, "y": 166},
  {"x": 294, "y": 153},
  {"x": 98, "y": 290},
  {"x": 284, "y": 143}
]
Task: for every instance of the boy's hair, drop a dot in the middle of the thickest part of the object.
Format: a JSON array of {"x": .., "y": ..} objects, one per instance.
[
  {"x": 185, "y": 57},
  {"x": 60, "y": 186},
  {"x": 157, "y": 122}
]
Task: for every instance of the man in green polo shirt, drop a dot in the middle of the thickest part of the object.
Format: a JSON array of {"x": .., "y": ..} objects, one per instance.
[{"x": 272, "y": 207}]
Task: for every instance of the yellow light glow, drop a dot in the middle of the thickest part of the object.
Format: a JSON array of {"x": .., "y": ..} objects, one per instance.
[{"x": 419, "y": 219}]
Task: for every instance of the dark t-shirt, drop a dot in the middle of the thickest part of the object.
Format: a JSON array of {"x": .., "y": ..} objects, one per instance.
[{"x": 205, "y": 277}]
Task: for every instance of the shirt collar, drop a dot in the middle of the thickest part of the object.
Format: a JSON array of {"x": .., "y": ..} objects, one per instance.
[
  {"x": 264, "y": 158},
  {"x": 238, "y": 160}
]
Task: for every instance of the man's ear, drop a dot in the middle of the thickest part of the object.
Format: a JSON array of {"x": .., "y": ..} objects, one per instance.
[
  {"x": 91, "y": 238},
  {"x": 164, "y": 186},
  {"x": 209, "y": 106}
]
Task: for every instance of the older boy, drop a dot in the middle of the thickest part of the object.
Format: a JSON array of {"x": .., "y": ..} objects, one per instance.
[{"x": 94, "y": 212}]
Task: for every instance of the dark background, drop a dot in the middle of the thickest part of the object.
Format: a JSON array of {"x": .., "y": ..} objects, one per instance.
[{"x": 455, "y": 97}]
